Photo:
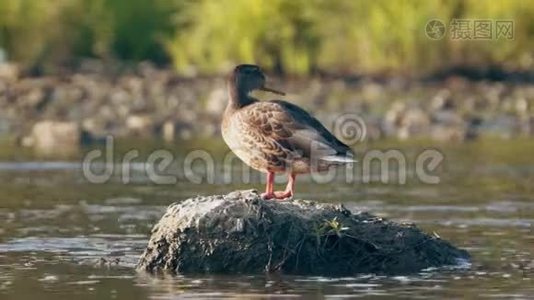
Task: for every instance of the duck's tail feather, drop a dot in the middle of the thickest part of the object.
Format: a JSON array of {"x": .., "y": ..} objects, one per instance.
[{"x": 339, "y": 158}]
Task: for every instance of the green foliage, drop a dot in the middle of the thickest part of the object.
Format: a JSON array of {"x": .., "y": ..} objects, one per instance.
[
  {"x": 27, "y": 26},
  {"x": 331, "y": 227},
  {"x": 139, "y": 27},
  {"x": 36, "y": 32},
  {"x": 347, "y": 36},
  {"x": 292, "y": 36},
  {"x": 278, "y": 33}
]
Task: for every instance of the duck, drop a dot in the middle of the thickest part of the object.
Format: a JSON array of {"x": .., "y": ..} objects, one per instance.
[{"x": 276, "y": 136}]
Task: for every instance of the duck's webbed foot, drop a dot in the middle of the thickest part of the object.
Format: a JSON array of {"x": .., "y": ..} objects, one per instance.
[
  {"x": 279, "y": 195},
  {"x": 267, "y": 196},
  {"x": 283, "y": 195}
]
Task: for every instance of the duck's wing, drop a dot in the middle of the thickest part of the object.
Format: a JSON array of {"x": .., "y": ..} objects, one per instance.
[{"x": 288, "y": 126}]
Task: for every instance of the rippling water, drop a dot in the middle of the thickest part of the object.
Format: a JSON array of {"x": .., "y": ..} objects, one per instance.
[{"x": 61, "y": 236}]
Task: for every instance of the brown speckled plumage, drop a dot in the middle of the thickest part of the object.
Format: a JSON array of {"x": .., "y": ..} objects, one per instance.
[{"x": 275, "y": 136}]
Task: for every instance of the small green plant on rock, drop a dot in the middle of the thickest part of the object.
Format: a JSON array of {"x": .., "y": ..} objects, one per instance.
[
  {"x": 333, "y": 226},
  {"x": 329, "y": 228}
]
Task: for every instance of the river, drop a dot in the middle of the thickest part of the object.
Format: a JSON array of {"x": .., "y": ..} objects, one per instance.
[{"x": 62, "y": 236}]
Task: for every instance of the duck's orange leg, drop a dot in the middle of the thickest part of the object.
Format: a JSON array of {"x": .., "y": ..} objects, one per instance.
[
  {"x": 269, "y": 186},
  {"x": 290, "y": 188}
]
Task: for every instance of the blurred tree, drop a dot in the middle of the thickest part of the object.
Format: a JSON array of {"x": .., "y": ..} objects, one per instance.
[
  {"x": 36, "y": 32},
  {"x": 278, "y": 33},
  {"x": 26, "y": 26},
  {"x": 286, "y": 36},
  {"x": 139, "y": 28}
]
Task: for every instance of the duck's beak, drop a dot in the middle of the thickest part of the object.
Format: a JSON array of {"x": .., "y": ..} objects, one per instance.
[{"x": 267, "y": 89}]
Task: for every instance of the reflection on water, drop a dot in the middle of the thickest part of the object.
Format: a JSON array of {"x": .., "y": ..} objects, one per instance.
[{"x": 62, "y": 236}]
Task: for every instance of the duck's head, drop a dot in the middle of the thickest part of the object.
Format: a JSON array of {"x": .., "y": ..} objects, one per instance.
[{"x": 247, "y": 78}]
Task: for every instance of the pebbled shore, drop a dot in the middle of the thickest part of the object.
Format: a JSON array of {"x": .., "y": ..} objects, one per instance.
[{"x": 151, "y": 102}]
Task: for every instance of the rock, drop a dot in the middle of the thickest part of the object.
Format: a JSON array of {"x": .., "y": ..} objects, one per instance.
[
  {"x": 216, "y": 102},
  {"x": 449, "y": 126},
  {"x": 447, "y": 118},
  {"x": 373, "y": 129},
  {"x": 55, "y": 138},
  {"x": 140, "y": 125},
  {"x": 94, "y": 126},
  {"x": 414, "y": 122},
  {"x": 442, "y": 100},
  {"x": 446, "y": 134},
  {"x": 392, "y": 117},
  {"x": 521, "y": 106},
  {"x": 168, "y": 131},
  {"x": 241, "y": 233}
]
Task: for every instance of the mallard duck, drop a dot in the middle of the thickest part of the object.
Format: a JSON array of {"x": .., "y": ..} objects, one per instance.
[{"x": 276, "y": 136}]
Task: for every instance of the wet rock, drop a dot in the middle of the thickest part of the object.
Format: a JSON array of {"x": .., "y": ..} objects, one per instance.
[
  {"x": 95, "y": 126},
  {"x": 107, "y": 262},
  {"x": 140, "y": 125},
  {"x": 413, "y": 122},
  {"x": 393, "y": 117},
  {"x": 445, "y": 134},
  {"x": 373, "y": 129},
  {"x": 521, "y": 106},
  {"x": 447, "y": 118},
  {"x": 442, "y": 100},
  {"x": 241, "y": 233},
  {"x": 54, "y": 138},
  {"x": 216, "y": 102},
  {"x": 168, "y": 130}
]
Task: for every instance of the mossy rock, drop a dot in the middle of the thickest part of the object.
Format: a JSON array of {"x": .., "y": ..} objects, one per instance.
[{"x": 241, "y": 233}]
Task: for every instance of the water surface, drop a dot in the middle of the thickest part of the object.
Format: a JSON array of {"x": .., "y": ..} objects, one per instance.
[{"x": 64, "y": 237}]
